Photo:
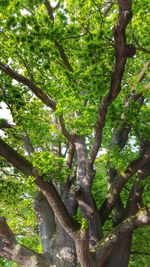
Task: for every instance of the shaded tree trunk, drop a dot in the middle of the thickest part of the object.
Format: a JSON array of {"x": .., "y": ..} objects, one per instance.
[
  {"x": 46, "y": 225},
  {"x": 57, "y": 245}
]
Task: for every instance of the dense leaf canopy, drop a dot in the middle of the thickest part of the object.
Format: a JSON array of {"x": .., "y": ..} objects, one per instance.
[{"x": 58, "y": 72}]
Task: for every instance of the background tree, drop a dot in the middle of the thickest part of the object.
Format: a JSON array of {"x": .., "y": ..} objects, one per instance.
[{"x": 75, "y": 153}]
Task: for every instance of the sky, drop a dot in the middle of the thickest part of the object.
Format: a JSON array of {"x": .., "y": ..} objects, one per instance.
[{"x": 4, "y": 112}]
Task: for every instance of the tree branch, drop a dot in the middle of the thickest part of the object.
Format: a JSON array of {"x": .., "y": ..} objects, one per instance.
[
  {"x": 29, "y": 83},
  {"x": 107, "y": 244},
  {"x": 120, "y": 181},
  {"x": 125, "y": 15},
  {"x": 134, "y": 201},
  {"x": 47, "y": 188},
  {"x": 45, "y": 98},
  {"x": 83, "y": 193},
  {"x": 119, "y": 139},
  {"x": 12, "y": 250},
  {"x": 27, "y": 143},
  {"x": 108, "y": 6},
  {"x": 143, "y": 72},
  {"x": 70, "y": 156},
  {"x": 57, "y": 44}
]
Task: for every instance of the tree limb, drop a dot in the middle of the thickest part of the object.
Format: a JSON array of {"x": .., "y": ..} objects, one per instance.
[
  {"x": 29, "y": 83},
  {"x": 108, "y": 6},
  {"x": 45, "y": 98},
  {"x": 107, "y": 244},
  {"x": 125, "y": 15},
  {"x": 47, "y": 188},
  {"x": 57, "y": 44},
  {"x": 12, "y": 250},
  {"x": 120, "y": 181},
  {"x": 134, "y": 201}
]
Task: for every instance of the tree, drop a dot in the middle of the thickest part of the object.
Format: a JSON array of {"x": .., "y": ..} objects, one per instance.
[{"x": 74, "y": 78}]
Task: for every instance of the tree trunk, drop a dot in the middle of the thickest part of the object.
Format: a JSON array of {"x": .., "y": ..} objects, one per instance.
[
  {"x": 46, "y": 222},
  {"x": 66, "y": 253}
]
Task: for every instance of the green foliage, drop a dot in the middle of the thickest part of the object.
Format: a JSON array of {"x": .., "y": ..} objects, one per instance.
[
  {"x": 50, "y": 166},
  {"x": 28, "y": 39}
]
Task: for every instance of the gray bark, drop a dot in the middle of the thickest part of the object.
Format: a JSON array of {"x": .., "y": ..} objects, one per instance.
[{"x": 46, "y": 224}]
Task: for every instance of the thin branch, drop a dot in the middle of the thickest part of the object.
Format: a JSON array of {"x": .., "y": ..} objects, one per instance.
[
  {"x": 140, "y": 47},
  {"x": 143, "y": 72},
  {"x": 57, "y": 44},
  {"x": 125, "y": 15},
  {"x": 4, "y": 124},
  {"x": 108, "y": 6}
]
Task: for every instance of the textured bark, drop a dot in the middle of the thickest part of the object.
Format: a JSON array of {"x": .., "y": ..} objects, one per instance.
[
  {"x": 66, "y": 252},
  {"x": 82, "y": 248},
  {"x": 12, "y": 250},
  {"x": 46, "y": 224},
  {"x": 120, "y": 255}
]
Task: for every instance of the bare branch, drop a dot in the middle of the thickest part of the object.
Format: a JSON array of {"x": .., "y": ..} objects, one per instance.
[
  {"x": 4, "y": 124},
  {"x": 145, "y": 50},
  {"x": 70, "y": 137},
  {"x": 49, "y": 10},
  {"x": 142, "y": 253},
  {"x": 125, "y": 15},
  {"x": 27, "y": 143}
]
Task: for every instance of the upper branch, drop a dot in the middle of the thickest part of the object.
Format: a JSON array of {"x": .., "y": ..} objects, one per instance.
[
  {"x": 45, "y": 98},
  {"x": 47, "y": 188},
  {"x": 29, "y": 83},
  {"x": 125, "y": 15},
  {"x": 108, "y": 6},
  {"x": 120, "y": 181},
  {"x": 57, "y": 44}
]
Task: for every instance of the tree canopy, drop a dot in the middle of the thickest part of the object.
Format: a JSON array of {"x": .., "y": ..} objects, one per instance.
[{"x": 74, "y": 81}]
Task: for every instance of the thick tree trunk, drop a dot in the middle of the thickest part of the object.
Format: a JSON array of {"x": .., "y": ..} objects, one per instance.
[
  {"x": 46, "y": 224},
  {"x": 66, "y": 253}
]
